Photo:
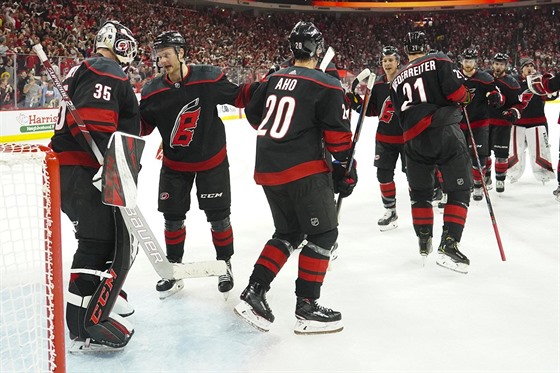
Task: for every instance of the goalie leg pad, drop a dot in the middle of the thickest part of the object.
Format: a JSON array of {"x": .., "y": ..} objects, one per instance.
[{"x": 100, "y": 324}]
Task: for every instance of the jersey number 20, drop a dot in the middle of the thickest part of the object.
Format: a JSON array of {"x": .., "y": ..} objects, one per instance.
[{"x": 283, "y": 111}]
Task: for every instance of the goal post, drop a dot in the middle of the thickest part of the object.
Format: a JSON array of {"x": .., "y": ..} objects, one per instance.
[{"x": 31, "y": 292}]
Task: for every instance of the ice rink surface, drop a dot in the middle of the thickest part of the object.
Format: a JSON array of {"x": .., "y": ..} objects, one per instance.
[{"x": 399, "y": 316}]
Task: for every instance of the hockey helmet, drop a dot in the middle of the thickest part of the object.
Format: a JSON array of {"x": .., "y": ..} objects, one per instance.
[
  {"x": 501, "y": 57},
  {"x": 415, "y": 42},
  {"x": 389, "y": 50},
  {"x": 306, "y": 41},
  {"x": 171, "y": 39},
  {"x": 118, "y": 39},
  {"x": 470, "y": 54}
]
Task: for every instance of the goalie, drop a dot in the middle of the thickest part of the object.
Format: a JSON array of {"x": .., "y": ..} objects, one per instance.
[{"x": 105, "y": 101}]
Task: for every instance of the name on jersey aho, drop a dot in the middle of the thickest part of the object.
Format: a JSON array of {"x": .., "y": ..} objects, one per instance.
[
  {"x": 429, "y": 65},
  {"x": 286, "y": 84}
]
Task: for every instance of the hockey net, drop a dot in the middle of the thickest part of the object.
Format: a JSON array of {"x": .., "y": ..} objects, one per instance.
[{"x": 31, "y": 292}]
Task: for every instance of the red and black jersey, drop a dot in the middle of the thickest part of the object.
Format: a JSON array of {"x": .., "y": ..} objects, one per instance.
[
  {"x": 185, "y": 114},
  {"x": 380, "y": 105},
  {"x": 331, "y": 67},
  {"x": 511, "y": 90},
  {"x": 421, "y": 88},
  {"x": 479, "y": 84},
  {"x": 298, "y": 112},
  {"x": 533, "y": 114},
  {"x": 105, "y": 101},
  {"x": 552, "y": 84}
]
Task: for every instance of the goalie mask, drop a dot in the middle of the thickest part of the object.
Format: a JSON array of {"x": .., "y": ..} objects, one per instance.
[
  {"x": 306, "y": 41},
  {"x": 415, "y": 42},
  {"x": 171, "y": 39},
  {"x": 119, "y": 40}
]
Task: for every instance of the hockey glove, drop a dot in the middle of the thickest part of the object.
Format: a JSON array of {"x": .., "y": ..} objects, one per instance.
[
  {"x": 511, "y": 115},
  {"x": 355, "y": 101},
  {"x": 495, "y": 99},
  {"x": 537, "y": 83},
  {"x": 344, "y": 183}
]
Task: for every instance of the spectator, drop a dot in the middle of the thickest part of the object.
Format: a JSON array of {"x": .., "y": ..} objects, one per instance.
[
  {"x": 33, "y": 92},
  {"x": 6, "y": 93},
  {"x": 21, "y": 81},
  {"x": 50, "y": 96}
]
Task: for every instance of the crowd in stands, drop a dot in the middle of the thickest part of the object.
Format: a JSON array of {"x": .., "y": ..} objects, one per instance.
[{"x": 246, "y": 43}]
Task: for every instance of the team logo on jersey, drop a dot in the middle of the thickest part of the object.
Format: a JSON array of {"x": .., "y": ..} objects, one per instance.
[
  {"x": 185, "y": 123},
  {"x": 387, "y": 111}
]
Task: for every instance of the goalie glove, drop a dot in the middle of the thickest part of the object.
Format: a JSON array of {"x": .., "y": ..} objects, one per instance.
[
  {"x": 495, "y": 99},
  {"x": 343, "y": 182},
  {"x": 511, "y": 115},
  {"x": 537, "y": 84}
]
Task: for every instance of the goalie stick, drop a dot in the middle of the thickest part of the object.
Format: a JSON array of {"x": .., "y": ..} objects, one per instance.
[
  {"x": 488, "y": 203},
  {"x": 134, "y": 220}
]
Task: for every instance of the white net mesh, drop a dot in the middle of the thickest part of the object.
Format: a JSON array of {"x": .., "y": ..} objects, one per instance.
[{"x": 26, "y": 275}]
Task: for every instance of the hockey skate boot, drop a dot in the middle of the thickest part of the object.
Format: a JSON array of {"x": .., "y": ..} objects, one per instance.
[
  {"x": 450, "y": 257},
  {"x": 488, "y": 182},
  {"x": 122, "y": 307},
  {"x": 500, "y": 186},
  {"x": 254, "y": 308},
  {"x": 225, "y": 282},
  {"x": 425, "y": 243},
  {"x": 388, "y": 221},
  {"x": 557, "y": 193},
  {"x": 168, "y": 287},
  {"x": 441, "y": 204},
  {"x": 315, "y": 319},
  {"x": 477, "y": 193}
]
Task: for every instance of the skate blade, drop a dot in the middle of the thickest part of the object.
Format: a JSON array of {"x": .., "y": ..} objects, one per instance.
[
  {"x": 307, "y": 327},
  {"x": 446, "y": 262},
  {"x": 88, "y": 347},
  {"x": 388, "y": 227},
  {"x": 226, "y": 295},
  {"x": 246, "y": 313},
  {"x": 177, "y": 287},
  {"x": 424, "y": 257}
]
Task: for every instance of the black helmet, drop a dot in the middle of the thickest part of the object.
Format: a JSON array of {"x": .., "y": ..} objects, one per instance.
[
  {"x": 389, "y": 50},
  {"x": 306, "y": 41},
  {"x": 170, "y": 39},
  {"x": 415, "y": 42},
  {"x": 470, "y": 54},
  {"x": 501, "y": 57}
]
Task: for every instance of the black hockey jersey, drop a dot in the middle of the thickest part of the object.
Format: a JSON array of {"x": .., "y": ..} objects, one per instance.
[
  {"x": 510, "y": 89},
  {"x": 425, "y": 87},
  {"x": 186, "y": 116},
  {"x": 105, "y": 101},
  {"x": 479, "y": 84},
  {"x": 533, "y": 114},
  {"x": 298, "y": 112},
  {"x": 380, "y": 105}
]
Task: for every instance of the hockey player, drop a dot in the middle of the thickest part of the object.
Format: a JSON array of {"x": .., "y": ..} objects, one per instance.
[
  {"x": 100, "y": 91},
  {"x": 484, "y": 93},
  {"x": 298, "y": 112},
  {"x": 389, "y": 137},
  {"x": 541, "y": 85},
  {"x": 530, "y": 131},
  {"x": 501, "y": 120},
  {"x": 425, "y": 94},
  {"x": 181, "y": 103}
]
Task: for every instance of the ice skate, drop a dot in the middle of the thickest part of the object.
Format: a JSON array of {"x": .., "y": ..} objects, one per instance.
[
  {"x": 425, "y": 246},
  {"x": 477, "y": 193},
  {"x": 225, "y": 282},
  {"x": 254, "y": 308},
  {"x": 167, "y": 287},
  {"x": 389, "y": 220},
  {"x": 557, "y": 193},
  {"x": 488, "y": 182},
  {"x": 315, "y": 319},
  {"x": 450, "y": 257},
  {"x": 500, "y": 186},
  {"x": 441, "y": 204},
  {"x": 89, "y": 345}
]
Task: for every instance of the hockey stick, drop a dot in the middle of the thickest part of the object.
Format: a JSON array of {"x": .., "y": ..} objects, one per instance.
[
  {"x": 350, "y": 162},
  {"x": 488, "y": 203},
  {"x": 327, "y": 58},
  {"x": 133, "y": 218}
]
